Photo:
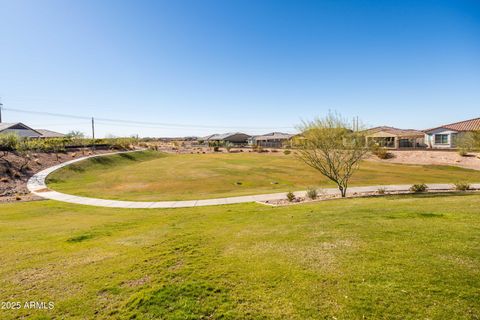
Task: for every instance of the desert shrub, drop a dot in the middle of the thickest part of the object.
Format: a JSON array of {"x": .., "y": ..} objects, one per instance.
[
  {"x": 257, "y": 148},
  {"x": 8, "y": 143},
  {"x": 55, "y": 145},
  {"x": 462, "y": 186},
  {"x": 422, "y": 187},
  {"x": 381, "y": 190},
  {"x": 216, "y": 148},
  {"x": 120, "y": 143},
  {"x": 228, "y": 146},
  {"x": 290, "y": 196},
  {"x": 24, "y": 151},
  {"x": 286, "y": 152},
  {"x": 312, "y": 193},
  {"x": 382, "y": 152},
  {"x": 463, "y": 152},
  {"x": 467, "y": 142}
]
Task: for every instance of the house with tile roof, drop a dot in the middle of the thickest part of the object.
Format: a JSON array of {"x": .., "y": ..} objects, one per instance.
[
  {"x": 236, "y": 138},
  {"x": 271, "y": 140},
  {"x": 395, "y": 138},
  {"x": 446, "y": 136}
]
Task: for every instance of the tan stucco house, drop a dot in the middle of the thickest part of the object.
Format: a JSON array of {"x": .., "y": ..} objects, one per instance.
[{"x": 395, "y": 138}]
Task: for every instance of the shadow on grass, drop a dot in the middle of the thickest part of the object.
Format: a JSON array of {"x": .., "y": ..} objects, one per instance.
[
  {"x": 429, "y": 195},
  {"x": 102, "y": 160},
  {"x": 76, "y": 168},
  {"x": 128, "y": 156},
  {"x": 54, "y": 180},
  {"x": 430, "y": 215},
  {"x": 80, "y": 238}
]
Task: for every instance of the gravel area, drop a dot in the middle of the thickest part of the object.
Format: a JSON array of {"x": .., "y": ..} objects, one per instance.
[
  {"x": 449, "y": 158},
  {"x": 13, "y": 182}
]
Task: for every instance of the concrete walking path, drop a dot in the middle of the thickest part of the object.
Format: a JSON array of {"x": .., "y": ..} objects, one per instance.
[{"x": 36, "y": 185}]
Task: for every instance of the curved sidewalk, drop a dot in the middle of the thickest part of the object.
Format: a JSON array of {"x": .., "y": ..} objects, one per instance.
[{"x": 36, "y": 185}]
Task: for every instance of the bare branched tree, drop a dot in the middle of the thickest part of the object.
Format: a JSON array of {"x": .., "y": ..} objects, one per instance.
[{"x": 331, "y": 146}]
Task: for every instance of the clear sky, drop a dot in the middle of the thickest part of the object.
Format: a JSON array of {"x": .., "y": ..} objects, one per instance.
[{"x": 239, "y": 63}]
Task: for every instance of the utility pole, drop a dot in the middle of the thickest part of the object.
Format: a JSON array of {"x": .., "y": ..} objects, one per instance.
[
  {"x": 93, "y": 134},
  {"x": 1, "y": 105}
]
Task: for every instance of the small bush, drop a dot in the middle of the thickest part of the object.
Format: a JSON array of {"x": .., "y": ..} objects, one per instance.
[
  {"x": 286, "y": 152},
  {"x": 381, "y": 190},
  {"x": 312, "y": 193},
  {"x": 419, "y": 188},
  {"x": 463, "y": 152},
  {"x": 382, "y": 153},
  {"x": 257, "y": 148},
  {"x": 290, "y": 196},
  {"x": 216, "y": 149},
  {"x": 462, "y": 186}
]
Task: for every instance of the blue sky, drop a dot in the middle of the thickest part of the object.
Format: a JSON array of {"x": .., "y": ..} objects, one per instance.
[{"x": 239, "y": 63}]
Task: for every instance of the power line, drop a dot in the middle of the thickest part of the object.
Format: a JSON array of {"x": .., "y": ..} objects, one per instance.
[
  {"x": 156, "y": 124},
  {"x": 56, "y": 124}
]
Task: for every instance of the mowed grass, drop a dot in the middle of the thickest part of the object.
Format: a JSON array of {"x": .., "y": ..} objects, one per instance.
[
  {"x": 151, "y": 176},
  {"x": 408, "y": 257}
]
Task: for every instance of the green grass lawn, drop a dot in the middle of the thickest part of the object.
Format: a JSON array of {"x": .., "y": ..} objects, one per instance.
[
  {"x": 157, "y": 176},
  {"x": 408, "y": 257}
]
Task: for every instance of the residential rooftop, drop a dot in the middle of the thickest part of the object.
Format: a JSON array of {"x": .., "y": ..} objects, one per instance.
[
  {"x": 462, "y": 126},
  {"x": 395, "y": 131}
]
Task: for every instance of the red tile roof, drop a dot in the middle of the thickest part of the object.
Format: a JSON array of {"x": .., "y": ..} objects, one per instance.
[{"x": 467, "y": 125}]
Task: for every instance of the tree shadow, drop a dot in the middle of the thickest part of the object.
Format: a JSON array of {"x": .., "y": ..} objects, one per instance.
[
  {"x": 77, "y": 168},
  {"x": 429, "y": 195},
  {"x": 102, "y": 160},
  {"x": 128, "y": 156}
]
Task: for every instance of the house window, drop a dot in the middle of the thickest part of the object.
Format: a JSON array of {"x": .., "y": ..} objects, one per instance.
[{"x": 441, "y": 139}]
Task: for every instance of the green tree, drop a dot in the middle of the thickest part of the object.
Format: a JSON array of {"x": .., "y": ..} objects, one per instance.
[
  {"x": 75, "y": 134},
  {"x": 330, "y": 146},
  {"x": 468, "y": 141}
]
